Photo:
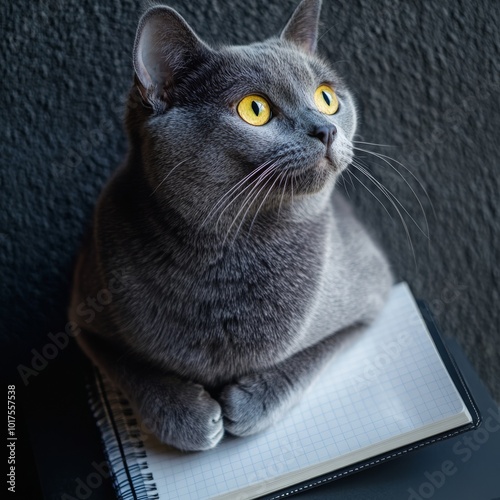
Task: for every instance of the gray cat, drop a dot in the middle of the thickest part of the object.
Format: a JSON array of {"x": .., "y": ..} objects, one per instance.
[{"x": 243, "y": 270}]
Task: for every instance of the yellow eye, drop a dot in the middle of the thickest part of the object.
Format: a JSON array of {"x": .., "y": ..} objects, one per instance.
[
  {"x": 255, "y": 110},
  {"x": 326, "y": 100}
]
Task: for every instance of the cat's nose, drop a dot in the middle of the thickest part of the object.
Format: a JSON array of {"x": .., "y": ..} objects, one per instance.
[{"x": 325, "y": 133}]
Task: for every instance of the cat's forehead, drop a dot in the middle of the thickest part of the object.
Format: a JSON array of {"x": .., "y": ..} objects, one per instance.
[
  {"x": 273, "y": 68},
  {"x": 275, "y": 60}
]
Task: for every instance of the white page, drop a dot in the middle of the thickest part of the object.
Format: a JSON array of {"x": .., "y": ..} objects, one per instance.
[{"x": 390, "y": 384}]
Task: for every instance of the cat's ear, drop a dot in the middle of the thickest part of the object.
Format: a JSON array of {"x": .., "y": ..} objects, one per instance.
[
  {"x": 165, "y": 48},
  {"x": 302, "y": 28}
]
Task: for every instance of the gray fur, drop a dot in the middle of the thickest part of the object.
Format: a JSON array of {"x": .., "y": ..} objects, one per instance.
[{"x": 230, "y": 307}]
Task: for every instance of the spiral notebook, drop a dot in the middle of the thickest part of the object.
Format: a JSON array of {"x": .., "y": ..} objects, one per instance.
[{"x": 393, "y": 390}]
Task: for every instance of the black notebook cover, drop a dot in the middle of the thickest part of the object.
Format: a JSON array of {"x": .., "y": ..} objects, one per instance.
[{"x": 462, "y": 388}]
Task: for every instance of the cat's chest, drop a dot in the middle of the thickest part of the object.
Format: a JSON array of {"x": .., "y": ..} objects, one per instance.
[
  {"x": 237, "y": 310},
  {"x": 239, "y": 291}
]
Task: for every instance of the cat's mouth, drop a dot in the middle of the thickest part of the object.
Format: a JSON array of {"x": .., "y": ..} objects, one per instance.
[
  {"x": 298, "y": 171},
  {"x": 333, "y": 160},
  {"x": 308, "y": 177},
  {"x": 311, "y": 175}
]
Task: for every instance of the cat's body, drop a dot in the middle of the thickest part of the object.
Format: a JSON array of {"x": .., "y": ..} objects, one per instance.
[{"x": 226, "y": 315}]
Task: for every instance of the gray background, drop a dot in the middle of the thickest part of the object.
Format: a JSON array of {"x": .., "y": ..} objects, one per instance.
[{"x": 426, "y": 77}]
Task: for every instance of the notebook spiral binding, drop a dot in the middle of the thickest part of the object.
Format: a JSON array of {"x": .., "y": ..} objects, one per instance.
[{"x": 122, "y": 443}]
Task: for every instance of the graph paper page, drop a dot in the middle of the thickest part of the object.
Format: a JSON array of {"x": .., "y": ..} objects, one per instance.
[{"x": 391, "y": 382}]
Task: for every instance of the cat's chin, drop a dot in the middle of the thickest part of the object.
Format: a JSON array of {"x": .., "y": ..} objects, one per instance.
[{"x": 315, "y": 178}]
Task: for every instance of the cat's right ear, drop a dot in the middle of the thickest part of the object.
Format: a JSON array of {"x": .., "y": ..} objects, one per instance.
[
  {"x": 165, "y": 48},
  {"x": 302, "y": 28}
]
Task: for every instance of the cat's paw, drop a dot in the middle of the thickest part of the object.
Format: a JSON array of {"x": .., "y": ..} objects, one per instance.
[
  {"x": 185, "y": 417},
  {"x": 254, "y": 403}
]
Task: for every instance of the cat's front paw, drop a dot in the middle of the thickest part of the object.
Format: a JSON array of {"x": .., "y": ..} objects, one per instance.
[
  {"x": 254, "y": 403},
  {"x": 185, "y": 417}
]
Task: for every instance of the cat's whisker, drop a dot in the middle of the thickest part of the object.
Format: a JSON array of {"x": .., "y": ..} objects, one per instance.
[
  {"x": 262, "y": 177},
  {"x": 249, "y": 200},
  {"x": 350, "y": 179},
  {"x": 167, "y": 176},
  {"x": 249, "y": 205},
  {"x": 282, "y": 177},
  {"x": 386, "y": 158},
  {"x": 220, "y": 202},
  {"x": 231, "y": 190},
  {"x": 426, "y": 233},
  {"x": 386, "y": 192},
  {"x": 371, "y": 192},
  {"x": 345, "y": 185},
  {"x": 375, "y": 144},
  {"x": 262, "y": 203},
  {"x": 253, "y": 185},
  {"x": 408, "y": 184}
]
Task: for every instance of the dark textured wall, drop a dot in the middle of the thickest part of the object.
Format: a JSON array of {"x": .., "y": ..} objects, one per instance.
[{"x": 426, "y": 77}]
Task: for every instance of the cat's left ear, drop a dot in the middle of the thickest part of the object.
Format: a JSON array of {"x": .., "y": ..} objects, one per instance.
[
  {"x": 165, "y": 49},
  {"x": 302, "y": 28}
]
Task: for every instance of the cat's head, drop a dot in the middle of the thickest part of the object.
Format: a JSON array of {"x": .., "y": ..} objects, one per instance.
[{"x": 254, "y": 127}]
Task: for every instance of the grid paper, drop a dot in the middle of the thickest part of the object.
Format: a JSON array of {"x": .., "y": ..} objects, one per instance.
[{"x": 391, "y": 381}]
